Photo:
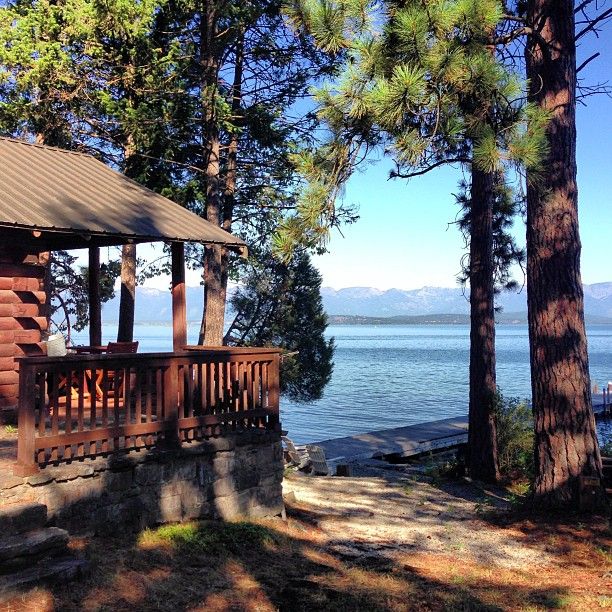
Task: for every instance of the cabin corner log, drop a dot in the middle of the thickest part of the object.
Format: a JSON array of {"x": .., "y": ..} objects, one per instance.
[
  {"x": 22, "y": 318},
  {"x": 156, "y": 399}
]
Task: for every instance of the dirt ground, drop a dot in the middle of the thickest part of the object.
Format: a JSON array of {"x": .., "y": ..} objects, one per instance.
[{"x": 389, "y": 537}]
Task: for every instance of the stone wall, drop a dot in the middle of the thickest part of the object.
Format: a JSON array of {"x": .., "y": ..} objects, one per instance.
[{"x": 228, "y": 477}]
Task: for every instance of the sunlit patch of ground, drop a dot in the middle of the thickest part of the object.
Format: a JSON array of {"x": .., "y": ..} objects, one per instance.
[{"x": 378, "y": 541}]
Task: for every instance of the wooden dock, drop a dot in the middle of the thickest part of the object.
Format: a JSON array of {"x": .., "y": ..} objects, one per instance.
[
  {"x": 400, "y": 441},
  {"x": 414, "y": 439}
]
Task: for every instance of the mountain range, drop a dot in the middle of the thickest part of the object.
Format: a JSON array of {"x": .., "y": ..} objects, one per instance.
[{"x": 154, "y": 305}]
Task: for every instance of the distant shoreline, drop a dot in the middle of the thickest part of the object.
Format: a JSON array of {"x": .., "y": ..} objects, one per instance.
[{"x": 510, "y": 318}]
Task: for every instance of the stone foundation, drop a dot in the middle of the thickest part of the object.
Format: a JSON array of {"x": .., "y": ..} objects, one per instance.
[{"x": 227, "y": 477}]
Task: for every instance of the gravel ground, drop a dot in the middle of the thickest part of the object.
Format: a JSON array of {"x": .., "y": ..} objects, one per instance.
[{"x": 384, "y": 509}]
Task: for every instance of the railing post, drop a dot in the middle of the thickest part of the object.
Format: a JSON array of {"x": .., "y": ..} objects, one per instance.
[
  {"x": 274, "y": 393},
  {"x": 171, "y": 415},
  {"x": 26, "y": 460}
]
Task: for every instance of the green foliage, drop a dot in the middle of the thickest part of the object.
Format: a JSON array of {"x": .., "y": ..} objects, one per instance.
[
  {"x": 606, "y": 448},
  {"x": 515, "y": 437},
  {"x": 211, "y": 538},
  {"x": 506, "y": 252},
  {"x": 419, "y": 81},
  {"x": 280, "y": 305},
  {"x": 69, "y": 291}
]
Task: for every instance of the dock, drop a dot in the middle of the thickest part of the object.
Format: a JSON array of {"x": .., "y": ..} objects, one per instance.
[
  {"x": 414, "y": 439},
  {"x": 602, "y": 405},
  {"x": 399, "y": 441}
]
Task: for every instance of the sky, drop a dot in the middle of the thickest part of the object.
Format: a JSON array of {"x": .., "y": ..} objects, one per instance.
[{"x": 403, "y": 238}]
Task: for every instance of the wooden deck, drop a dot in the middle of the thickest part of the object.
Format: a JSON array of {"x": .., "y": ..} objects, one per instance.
[{"x": 400, "y": 441}]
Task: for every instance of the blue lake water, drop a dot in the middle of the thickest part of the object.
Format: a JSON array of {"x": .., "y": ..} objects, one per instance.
[{"x": 389, "y": 376}]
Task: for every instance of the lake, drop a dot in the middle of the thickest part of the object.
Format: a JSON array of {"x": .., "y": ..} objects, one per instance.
[{"x": 389, "y": 375}]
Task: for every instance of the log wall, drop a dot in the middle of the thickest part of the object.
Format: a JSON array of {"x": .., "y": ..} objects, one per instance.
[{"x": 23, "y": 308}]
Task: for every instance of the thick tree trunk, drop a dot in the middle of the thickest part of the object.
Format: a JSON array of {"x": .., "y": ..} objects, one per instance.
[
  {"x": 127, "y": 302},
  {"x": 566, "y": 442},
  {"x": 211, "y": 327},
  {"x": 482, "y": 442},
  {"x": 216, "y": 258}
]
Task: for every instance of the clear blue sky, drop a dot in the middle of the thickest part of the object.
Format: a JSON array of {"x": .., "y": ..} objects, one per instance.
[{"x": 402, "y": 238}]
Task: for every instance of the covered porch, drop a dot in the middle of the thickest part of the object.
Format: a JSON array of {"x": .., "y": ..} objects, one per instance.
[{"x": 92, "y": 405}]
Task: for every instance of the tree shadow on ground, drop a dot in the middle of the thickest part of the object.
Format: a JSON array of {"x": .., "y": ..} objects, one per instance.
[{"x": 272, "y": 565}]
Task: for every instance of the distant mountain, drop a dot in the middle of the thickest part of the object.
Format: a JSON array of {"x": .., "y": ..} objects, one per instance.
[
  {"x": 366, "y": 301},
  {"x": 154, "y": 305},
  {"x": 509, "y": 318}
]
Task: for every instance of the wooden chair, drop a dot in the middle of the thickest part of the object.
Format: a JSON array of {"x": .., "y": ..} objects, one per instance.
[
  {"x": 115, "y": 378},
  {"x": 122, "y": 347}
]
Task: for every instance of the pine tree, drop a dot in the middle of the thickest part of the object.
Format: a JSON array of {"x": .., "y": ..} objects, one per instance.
[
  {"x": 430, "y": 92},
  {"x": 566, "y": 440},
  {"x": 280, "y": 305}
]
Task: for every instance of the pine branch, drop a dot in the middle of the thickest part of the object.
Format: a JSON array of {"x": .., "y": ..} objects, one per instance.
[
  {"x": 587, "y": 61},
  {"x": 593, "y": 23},
  {"x": 429, "y": 168}
]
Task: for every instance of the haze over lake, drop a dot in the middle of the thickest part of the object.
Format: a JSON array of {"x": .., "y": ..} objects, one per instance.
[{"x": 389, "y": 376}]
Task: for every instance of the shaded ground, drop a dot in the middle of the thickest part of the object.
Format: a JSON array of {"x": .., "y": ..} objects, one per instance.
[
  {"x": 383, "y": 539},
  {"x": 8, "y": 448}
]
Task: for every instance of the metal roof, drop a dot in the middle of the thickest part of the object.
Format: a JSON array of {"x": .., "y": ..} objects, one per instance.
[{"x": 54, "y": 191}]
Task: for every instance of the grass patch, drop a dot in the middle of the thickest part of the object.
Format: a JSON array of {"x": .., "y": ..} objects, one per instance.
[
  {"x": 210, "y": 538},
  {"x": 10, "y": 429}
]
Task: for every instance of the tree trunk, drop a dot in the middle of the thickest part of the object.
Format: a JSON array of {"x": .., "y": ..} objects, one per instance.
[
  {"x": 213, "y": 314},
  {"x": 127, "y": 302},
  {"x": 482, "y": 443},
  {"x": 127, "y": 296},
  {"x": 216, "y": 258},
  {"x": 565, "y": 437}
]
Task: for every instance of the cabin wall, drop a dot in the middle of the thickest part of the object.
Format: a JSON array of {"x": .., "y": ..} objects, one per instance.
[{"x": 23, "y": 310}]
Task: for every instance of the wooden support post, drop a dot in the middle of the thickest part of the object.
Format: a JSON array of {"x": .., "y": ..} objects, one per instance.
[
  {"x": 274, "y": 393},
  {"x": 26, "y": 460},
  {"x": 95, "y": 304},
  {"x": 179, "y": 304},
  {"x": 171, "y": 414}
]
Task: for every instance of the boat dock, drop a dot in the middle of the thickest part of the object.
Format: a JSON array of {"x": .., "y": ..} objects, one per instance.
[
  {"x": 399, "y": 441},
  {"x": 602, "y": 404},
  {"x": 416, "y": 439}
]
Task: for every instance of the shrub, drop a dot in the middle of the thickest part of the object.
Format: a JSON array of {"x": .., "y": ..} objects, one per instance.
[{"x": 515, "y": 437}]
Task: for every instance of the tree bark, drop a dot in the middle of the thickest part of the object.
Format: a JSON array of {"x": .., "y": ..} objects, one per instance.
[
  {"x": 565, "y": 436},
  {"x": 213, "y": 314},
  {"x": 127, "y": 301},
  {"x": 216, "y": 258},
  {"x": 482, "y": 443}
]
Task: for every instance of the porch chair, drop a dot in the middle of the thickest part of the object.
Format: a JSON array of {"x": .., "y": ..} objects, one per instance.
[
  {"x": 115, "y": 378},
  {"x": 296, "y": 458},
  {"x": 317, "y": 457}
]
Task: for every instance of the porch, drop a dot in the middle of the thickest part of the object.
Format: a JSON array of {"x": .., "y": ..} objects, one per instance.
[
  {"x": 112, "y": 403},
  {"x": 96, "y": 432}
]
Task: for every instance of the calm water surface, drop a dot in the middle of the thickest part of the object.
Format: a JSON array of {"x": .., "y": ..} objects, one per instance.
[{"x": 389, "y": 376}]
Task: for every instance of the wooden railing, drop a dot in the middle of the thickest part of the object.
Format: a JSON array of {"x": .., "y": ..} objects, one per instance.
[{"x": 87, "y": 405}]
